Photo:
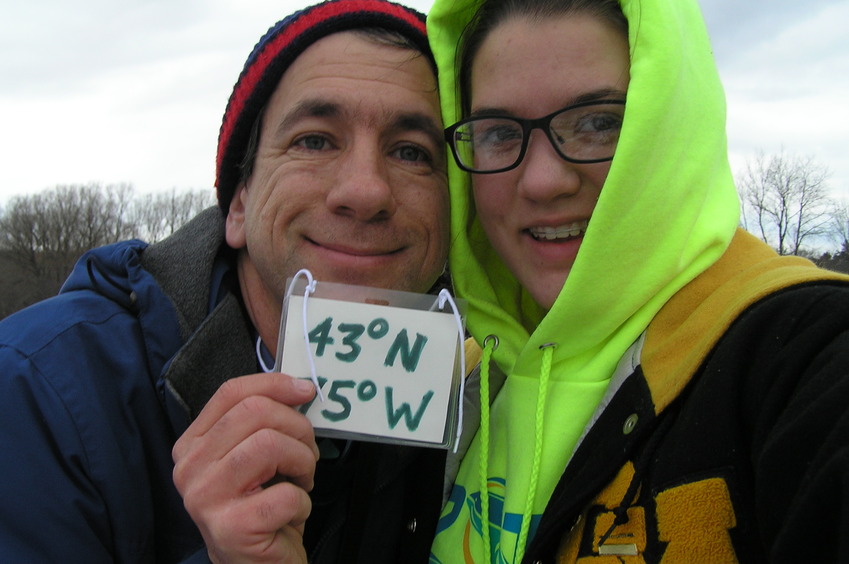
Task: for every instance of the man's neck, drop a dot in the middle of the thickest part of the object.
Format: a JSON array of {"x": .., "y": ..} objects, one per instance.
[{"x": 264, "y": 311}]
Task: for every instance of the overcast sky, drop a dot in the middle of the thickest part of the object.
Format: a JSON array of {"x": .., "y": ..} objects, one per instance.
[{"x": 134, "y": 91}]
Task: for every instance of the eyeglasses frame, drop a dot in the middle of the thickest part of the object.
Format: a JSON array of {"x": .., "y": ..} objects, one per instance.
[{"x": 528, "y": 125}]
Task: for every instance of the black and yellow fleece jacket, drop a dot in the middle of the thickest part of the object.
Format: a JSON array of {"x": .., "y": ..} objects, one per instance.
[{"x": 684, "y": 400}]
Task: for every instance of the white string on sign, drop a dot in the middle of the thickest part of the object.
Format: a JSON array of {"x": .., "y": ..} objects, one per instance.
[
  {"x": 445, "y": 296},
  {"x": 262, "y": 364},
  {"x": 308, "y": 290}
]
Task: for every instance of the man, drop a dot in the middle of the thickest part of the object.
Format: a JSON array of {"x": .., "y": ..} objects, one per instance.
[{"x": 330, "y": 158}]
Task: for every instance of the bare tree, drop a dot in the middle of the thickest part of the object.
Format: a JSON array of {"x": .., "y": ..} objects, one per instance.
[
  {"x": 837, "y": 259},
  {"x": 159, "y": 215},
  {"x": 785, "y": 200},
  {"x": 44, "y": 234},
  {"x": 840, "y": 224}
]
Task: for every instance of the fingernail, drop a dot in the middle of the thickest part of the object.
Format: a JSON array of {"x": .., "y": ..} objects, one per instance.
[{"x": 303, "y": 386}]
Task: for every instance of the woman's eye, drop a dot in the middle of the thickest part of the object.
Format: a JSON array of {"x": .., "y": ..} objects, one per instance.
[
  {"x": 607, "y": 122},
  {"x": 599, "y": 122},
  {"x": 500, "y": 134}
]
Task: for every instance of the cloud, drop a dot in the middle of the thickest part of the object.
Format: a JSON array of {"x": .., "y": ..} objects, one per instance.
[
  {"x": 117, "y": 92},
  {"x": 134, "y": 91},
  {"x": 783, "y": 89},
  {"x": 131, "y": 91}
]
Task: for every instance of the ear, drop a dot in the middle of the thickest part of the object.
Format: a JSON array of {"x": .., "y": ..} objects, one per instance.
[{"x": 235, "y": 222}]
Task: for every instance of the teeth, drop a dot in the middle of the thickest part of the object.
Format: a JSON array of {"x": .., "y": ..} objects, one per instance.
[{"x": 560, "y": 232}]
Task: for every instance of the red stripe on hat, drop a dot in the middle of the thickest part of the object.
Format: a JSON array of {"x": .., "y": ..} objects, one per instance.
[{"x": 270, "y": 51}]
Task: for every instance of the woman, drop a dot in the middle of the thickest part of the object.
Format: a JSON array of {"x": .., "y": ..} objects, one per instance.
[{"x": 665, "y": 371}]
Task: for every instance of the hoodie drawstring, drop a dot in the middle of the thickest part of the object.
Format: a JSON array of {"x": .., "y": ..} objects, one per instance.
[
  {"x": 539, "y": 418},
  {"x": 489, "y": 345}
]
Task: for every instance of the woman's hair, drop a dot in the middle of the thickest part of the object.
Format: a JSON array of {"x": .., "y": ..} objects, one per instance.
[{"x": 493, "y": 12}]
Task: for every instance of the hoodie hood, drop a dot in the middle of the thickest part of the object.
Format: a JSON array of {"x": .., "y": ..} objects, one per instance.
[{"x": 667, "y": 211}]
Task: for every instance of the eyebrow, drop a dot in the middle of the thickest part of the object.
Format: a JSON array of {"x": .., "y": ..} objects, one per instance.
[
  {"x": 308, "y": 109},
  {"x": 415, "y": 121},
  {"x": 320, "y": 108},
  {"x": 593, "y": 96}
]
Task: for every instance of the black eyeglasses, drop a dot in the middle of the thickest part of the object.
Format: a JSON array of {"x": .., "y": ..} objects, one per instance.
[{"x": 581, "y": 133}]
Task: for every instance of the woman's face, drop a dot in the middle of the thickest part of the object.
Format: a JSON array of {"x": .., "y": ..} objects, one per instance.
[{"x": 536, "y": 214}]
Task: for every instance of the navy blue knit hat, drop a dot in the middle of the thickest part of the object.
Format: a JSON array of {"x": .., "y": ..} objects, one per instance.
[{"x": 277, "y": 49}]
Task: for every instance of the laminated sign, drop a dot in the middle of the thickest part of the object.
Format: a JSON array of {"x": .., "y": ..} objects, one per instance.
[{"x": 387, "y": 364}]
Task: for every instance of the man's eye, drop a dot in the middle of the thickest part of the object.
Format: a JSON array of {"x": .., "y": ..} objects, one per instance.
[
  {"x": 313, "y": 142},
  {"x": 413, "y": 153}
]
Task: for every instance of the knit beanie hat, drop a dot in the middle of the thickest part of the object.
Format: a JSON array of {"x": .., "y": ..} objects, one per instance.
[{"x": 277, "y": 49}]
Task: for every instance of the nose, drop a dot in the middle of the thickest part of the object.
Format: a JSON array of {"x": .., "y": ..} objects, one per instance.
[
  {"x": 545, "y": 175},
  {"x": 362, "y": 188}
]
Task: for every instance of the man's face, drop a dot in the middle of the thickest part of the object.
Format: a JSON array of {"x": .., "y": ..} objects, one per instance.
[{"x": 349, "y": 179}]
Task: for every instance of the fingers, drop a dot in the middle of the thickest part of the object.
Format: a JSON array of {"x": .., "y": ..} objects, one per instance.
[
  {"x": 250, "y": 530},
  {"x": 247, "y": 434},
  {"x": 256, "y": 438},
  {"x": 251, "y": 463},
  {"x": 278, "y": 387},
  {"x": 254, "y": 418},
  {"x": 271, "y": 509}
]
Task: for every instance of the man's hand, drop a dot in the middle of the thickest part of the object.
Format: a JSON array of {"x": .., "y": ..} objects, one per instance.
[{"x": 248, "y": 435}]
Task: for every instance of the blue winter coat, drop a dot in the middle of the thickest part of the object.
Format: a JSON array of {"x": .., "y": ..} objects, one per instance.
[
  {"x": 82, "y": 401},
  {"x": 96, "y": 385}
]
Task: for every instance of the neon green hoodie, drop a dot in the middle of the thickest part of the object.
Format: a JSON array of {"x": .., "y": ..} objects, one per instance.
[{"x": 668, "y": 210}]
